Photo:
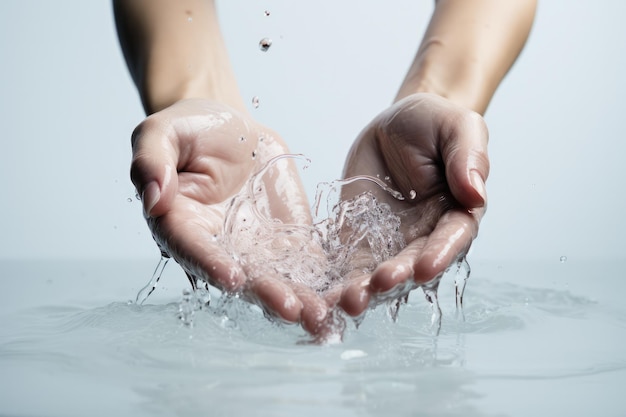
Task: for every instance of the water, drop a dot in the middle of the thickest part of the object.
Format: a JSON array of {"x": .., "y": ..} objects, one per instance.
[
  {"x": 320, "y": 255},
  {"x": 264, "y": 44},
  {"x": 538, "y": 338},
  {"x": 255, "y": 102}
]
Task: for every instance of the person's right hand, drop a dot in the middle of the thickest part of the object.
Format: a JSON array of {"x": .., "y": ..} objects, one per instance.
[{"x": 189, "y": 160}]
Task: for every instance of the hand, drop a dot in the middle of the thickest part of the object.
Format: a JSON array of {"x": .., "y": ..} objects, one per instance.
[
  {"x": 435, "y": 153},
  {"x": 189, "y": 160}
]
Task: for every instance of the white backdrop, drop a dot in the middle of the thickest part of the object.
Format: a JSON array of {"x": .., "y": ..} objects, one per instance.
[{"x": 68, "y": 108}]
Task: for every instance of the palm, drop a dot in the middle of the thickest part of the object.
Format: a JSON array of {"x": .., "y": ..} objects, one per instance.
[{"x": 416, "y": 144}]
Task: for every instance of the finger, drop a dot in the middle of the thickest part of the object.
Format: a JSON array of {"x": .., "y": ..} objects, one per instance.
[
  {"x": 276, "y": 298},
  {"x": 450, "y": 240},
  {"x": 355, "y": 297},
  {"x": 314, "y": 309},
  {"x": 195, "y": 249},
  {"x": 153, "y": 168},
  {"x": 397, "y": 270},
  {"x": 464, "y": 153}
]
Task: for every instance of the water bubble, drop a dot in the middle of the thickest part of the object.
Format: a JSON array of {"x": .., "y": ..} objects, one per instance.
[
  {"x": 563, "y": 259},
  {"x": 255, "y": 102},
  {"x": 266, "y": 13},
  {"x": 412, "y": 194},
  {"x": 264, "y": 44}
]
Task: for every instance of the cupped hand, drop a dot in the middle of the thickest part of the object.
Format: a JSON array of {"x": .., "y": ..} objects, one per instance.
[
  {"x": 189, "y": 160},
  {"x": 435, "y": 153}
]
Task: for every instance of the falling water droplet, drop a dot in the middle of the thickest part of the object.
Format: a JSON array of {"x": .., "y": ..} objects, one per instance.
[
  {"x": 130, "y": 200},
  {"x": 189, "y": 19},
  {"x": 266, "y": 13},
  {"x": 242, "y": 139},
  {"x": 255, "y": 102},
  {"x": 563, "y": 259},
  {"x": 253, "y": 154},
  {"x": 264, "y": 44},
  {"x": 412, "y": 194},
  {"x": 137, "y": 196},
  {"x": 387, "y": 178}
]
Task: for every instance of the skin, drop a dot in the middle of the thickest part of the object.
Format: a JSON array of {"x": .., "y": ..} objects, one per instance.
[
  {"x": 432, "y": 140},
  {"x": 185, "y": 167}
]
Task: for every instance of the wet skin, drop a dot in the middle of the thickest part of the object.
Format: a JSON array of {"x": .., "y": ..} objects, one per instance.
[
  {"x": 188, "y": 161},
  {"x": 436, "y": 152}
]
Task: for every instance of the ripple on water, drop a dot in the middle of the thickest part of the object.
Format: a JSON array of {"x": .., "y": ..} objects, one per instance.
[{"x": 221, "y": 361}]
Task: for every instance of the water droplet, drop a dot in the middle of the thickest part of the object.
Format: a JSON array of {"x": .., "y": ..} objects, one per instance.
[
  {"x": 266, "y": 13},
  {"x": 253, "y": 154},
  {"x": 255, "y": 102},
  {"x": 242, "y": 139},
  {"x": 387, "y": 178},
  {"x": 264, "y": 44},
  {"x": 189, "y": 19},
  {"x": 261, "y": 139},
  {"x": 563, "y": 259},
  {"x": 137, "y": 196},
  {"x": 130, "y": 200},
  {"x": 412, "y": 194}
]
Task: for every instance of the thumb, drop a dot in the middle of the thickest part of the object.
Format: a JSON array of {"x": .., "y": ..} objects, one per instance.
[
  {"x": 153, "y": 168},
  {"x": 464, "y": 153}
]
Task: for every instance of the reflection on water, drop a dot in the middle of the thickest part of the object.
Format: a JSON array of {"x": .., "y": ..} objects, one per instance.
[{"x": 125, "y": 359}]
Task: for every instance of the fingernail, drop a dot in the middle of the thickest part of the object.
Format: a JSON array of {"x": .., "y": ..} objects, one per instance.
[
  {"x": 478, "y": 184},
  {"x": 150, "y": 196}
]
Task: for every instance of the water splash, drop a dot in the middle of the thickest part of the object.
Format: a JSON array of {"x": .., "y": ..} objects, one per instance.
[
  {"x": 193, "y": 300},
  {"x": 145, "y": 292},
  {"x": 430, "y": 291},
  {"x": 463, "y": 272},
  {"x": 358, "y": 234},
  {"x": 347, "y": 237}
]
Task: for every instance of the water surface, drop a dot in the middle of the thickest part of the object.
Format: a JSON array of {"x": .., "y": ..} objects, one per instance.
[{"x": 536, "y": 339}]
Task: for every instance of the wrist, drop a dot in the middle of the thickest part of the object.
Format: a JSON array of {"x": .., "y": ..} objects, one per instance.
[
  {"x": 161, "y": 91},
  {"x": 460, "y": 82}
]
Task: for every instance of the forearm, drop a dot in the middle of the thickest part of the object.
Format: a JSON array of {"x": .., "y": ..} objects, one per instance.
[
  {"x": 174, "y": 50},
  {"x": 468, "y": 48}
]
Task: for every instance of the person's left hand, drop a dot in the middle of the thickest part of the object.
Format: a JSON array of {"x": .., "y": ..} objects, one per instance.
[{"x": 435, "y": 153}]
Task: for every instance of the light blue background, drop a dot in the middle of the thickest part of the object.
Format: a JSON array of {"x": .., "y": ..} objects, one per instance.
[{"x": 68, "y": 108}]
